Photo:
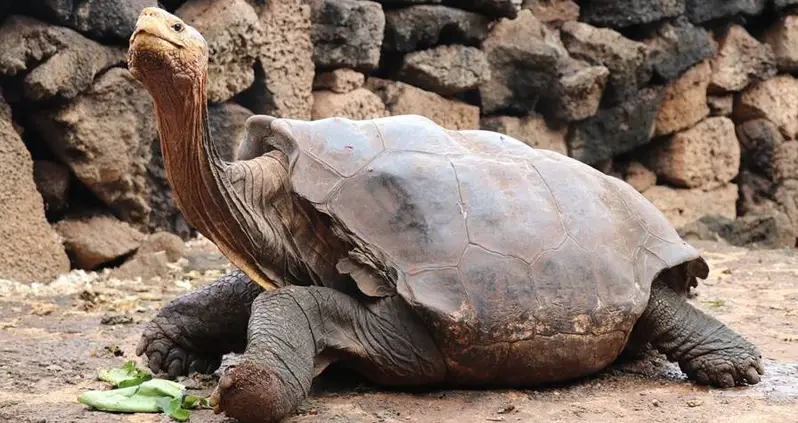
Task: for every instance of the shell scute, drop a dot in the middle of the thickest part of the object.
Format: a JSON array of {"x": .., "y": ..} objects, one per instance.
[{"x": 407, "y": 204}]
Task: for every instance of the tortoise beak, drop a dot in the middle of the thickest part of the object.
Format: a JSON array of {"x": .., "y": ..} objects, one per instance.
[{"x": 153, "y": 30}]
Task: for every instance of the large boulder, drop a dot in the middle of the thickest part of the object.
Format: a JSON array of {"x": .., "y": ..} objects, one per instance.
[
  {"x": 153, "y": 259},
  {"x": 227, "y": 122},
  {"x": 771, "y": 229},
  {"x": 638, "y": 176},
  {"x": 424, "y": 26},
  {"x": 775, "y": 99},
  {"x": 522, "y": 65},
  {"x": 531, "y": 130},
  {"x": 617, "y": 129},
  {"x": 756, "y": 192},
  {"x": 576, "y": 92},
  {"x": 55, "y": 60},
  {"x": 700, "y": 11},
  {"x": 404, "y": 99},
  {"x": 235, "y": 39},
  {"x": 446, "y": 70},
  {"x": 494, "y": 8},
  {"x": 765, "y": 229},
  {"x": 284, "y": 69},
  {"x": 786, "y": 200},
  {"x": 553, "y": 12},
  {"x": 92, "y": 241},
  {"x": 339, "y": 81},
  {"x": 101, "y": 19},
  {"x": 676, "y": 46},
  {"x": 31, "y": 251},
  {"x": 685, "y": 205},
  {"x": 359, "y": 104},
  {"x": 685, "y": 101},
  {"x": 782, "y": 37},
  {"x": 626, "y": 59},
  {"x": 104, "y": 136},
  {"x": 759, "y": 139},
  {"x": 741, "y": 60},
  {"x": 704, "y": 156},
  {"x": 622, "y": 13},
  {"x": 785, "y": 161},
  {"x": 347, "y": 33}
]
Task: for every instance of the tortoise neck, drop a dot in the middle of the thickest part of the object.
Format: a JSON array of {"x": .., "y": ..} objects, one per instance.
[{"x": 194, "y": 167}]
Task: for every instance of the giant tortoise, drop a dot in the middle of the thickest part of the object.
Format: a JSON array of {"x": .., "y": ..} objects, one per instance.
[{"x": 414, "y": 254}]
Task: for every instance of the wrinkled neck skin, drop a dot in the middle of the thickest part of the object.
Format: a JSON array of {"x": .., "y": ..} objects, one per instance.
[
  {"x": 191, "y": 164},
  {"x": 260, "y": 226},
  {"x": 197, "y": 174}
]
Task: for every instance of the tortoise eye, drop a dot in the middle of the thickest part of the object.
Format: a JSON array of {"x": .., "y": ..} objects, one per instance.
[{"x": 177, "y": 27}]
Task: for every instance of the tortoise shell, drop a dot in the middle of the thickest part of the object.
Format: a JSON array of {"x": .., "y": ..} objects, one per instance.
[{"x": 491, "y": 241}]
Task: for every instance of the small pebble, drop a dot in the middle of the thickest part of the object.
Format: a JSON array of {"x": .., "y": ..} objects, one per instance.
[
  {"x": 116, "y": 319},
  {"x": 694, "y": 403},
  {"x": 506, "y": 409},
  {"x": 655, "y": 402}
]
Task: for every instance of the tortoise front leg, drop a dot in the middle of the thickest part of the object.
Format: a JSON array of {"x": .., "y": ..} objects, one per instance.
[
  {"x": 295, "y": 332},
  {"x": 707, "y": 350},
  {"x": 193, "y": 331}
]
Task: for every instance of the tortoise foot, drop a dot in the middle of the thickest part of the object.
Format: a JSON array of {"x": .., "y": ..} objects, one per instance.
[
  {"x": 251, "y": 393},
  {"x": 193, "y": 331},
  {"x": 171, "y": 351},
  {"x": 726, "y": 368}
]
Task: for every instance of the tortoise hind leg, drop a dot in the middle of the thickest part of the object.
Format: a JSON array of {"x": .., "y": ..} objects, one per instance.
[
  {"x": 193, "y": 331},
  {"x": 295, "y": 332},
  {"x": 707, "y": 350}
]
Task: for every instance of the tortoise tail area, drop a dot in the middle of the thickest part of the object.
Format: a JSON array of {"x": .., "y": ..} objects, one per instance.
[{"x": 684, "y": 276}]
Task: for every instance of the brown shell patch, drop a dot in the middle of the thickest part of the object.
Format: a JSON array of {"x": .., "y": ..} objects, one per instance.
[{"x": 404, "y": 204}]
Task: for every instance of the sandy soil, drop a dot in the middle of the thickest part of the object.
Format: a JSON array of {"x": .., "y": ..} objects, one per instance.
[{"x": 54, "y": 337}]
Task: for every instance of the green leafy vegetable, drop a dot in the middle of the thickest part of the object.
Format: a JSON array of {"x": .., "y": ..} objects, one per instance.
[
  {"x": 162, "y": 387},
  {"x": 122, "y": 400},
  {"x": 191, "y": 401},
  {"x": 173, "y": 408},
  {"x": 138, "y": 392},
  {"x": 125, "y": 376}
]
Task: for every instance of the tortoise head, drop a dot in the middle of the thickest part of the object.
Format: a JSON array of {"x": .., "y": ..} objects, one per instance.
[{"x": 166, "y": 53}]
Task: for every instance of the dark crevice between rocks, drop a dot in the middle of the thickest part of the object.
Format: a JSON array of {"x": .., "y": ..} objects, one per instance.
[
  {"x": 105, "y": 70},
  {"x": 257, "y": 97},
  {"x": 172, "y": 5},
  {"x": 642, "y": 31},
  {"x": 390, "y": 64},
  {"x": 470, "y": 97},
  {"x": 116, "y": 262},
  {"x": 758, "y": 24}
]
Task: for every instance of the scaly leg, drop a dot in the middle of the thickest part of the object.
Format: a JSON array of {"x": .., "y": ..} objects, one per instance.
[
  {"x": 295, "y": 332},
  {"x": 707, "y": 350}
]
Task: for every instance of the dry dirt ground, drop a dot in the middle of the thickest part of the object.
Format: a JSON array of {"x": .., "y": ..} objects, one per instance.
[{"x": 54, "y": 337}]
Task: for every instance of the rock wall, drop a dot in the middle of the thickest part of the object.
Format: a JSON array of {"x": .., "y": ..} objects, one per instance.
[{"x": 692, "y": 102}]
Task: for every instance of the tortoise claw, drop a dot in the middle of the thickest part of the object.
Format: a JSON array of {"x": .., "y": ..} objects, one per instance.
[{"x": 216, "y": 399}]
